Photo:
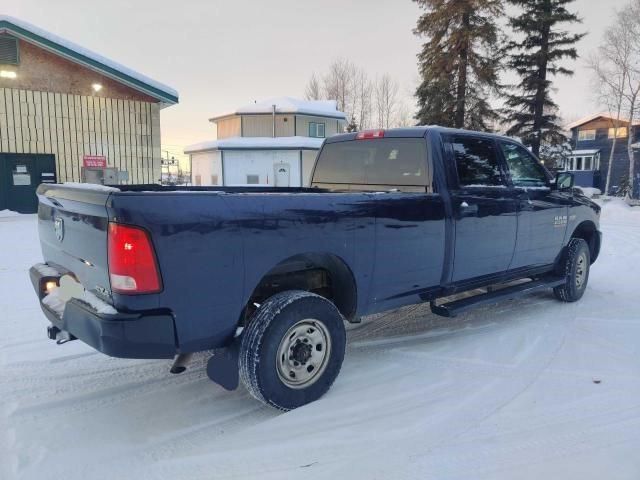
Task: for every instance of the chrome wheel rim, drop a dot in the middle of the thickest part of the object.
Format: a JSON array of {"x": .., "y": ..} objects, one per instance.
[
  {"x": 303, "y": 353},
  {"x": 581, "y": 270}
]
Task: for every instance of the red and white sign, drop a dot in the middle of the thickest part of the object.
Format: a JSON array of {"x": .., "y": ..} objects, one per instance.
[{"x": 94, "y": 161}]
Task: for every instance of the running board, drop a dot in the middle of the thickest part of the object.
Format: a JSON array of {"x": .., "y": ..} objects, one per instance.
[{"x": 456, "y": 307}]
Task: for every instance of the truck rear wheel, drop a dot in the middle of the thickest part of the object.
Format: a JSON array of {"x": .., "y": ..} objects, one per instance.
[
  {"x": 576, "y": 271},
  {"x": 292, "y": 349}
]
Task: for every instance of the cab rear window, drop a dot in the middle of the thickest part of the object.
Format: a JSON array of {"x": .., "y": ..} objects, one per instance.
[{"x": 383, "y": 161}]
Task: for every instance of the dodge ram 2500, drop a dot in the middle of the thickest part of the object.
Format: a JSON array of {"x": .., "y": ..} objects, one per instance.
[{"x": 267, "y": 277}]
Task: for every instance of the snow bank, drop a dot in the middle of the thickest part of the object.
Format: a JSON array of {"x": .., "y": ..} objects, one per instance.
[
  {"x": 590, "y": 192},
  {"x": 615, "y": 208},
  {"x": 8, "y": 213}
]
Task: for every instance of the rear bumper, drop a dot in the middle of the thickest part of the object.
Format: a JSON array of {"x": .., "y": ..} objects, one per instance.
[{"x": 123, "y": 335}]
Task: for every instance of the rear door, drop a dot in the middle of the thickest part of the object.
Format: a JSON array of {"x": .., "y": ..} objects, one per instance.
[
  {"x": 542, "y": 212},
  {"x": 484, "y": 209},
  {"x": 409, "y": 244}
]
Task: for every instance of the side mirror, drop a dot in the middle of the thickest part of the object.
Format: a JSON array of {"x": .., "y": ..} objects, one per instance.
[{"x": 564, "y": 181}]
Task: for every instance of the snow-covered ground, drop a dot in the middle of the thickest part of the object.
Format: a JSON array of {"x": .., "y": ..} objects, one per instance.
[{"x": 527, "y": 389}]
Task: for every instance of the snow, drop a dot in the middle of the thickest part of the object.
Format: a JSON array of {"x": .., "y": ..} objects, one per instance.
[
  {"x": 46, "y": 270},
  {"x": 590, "y": 191},
  {"x": 97, "y": 304},
  {"x": 592, "y": 151},
  {"x": 257, "y": 143},
  {"x": 588, "y": 118},
  {"x": 527, "y": 389},
  {"x": 8, "y": 213},
  {"x": 291, "y": 105},
  {"x": 87, "y": 53},
  {"x": 91, "y": 186},
  {"x": 55, "y": 302}
]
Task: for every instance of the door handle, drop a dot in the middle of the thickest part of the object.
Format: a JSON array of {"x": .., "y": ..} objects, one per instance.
[{"x": 467, "y": 210}]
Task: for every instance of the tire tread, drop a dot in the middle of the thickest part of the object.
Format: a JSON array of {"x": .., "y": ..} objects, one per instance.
[{"x": 254, "y": 335}]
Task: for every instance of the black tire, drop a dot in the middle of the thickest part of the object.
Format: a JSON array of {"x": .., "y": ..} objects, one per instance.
[
  {"x": 264, "y": 337},
  {"x": 575, "y": 268}
]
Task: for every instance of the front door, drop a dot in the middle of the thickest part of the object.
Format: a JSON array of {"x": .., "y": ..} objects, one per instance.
[
  {"x": 542, "y": 212},
  {"x": 20, "y": 175},
  {"x": 281, "y": 174},
  {"x": 485, "y": 210}
]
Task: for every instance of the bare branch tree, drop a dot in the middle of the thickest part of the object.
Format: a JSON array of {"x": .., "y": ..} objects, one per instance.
[
  {"x": 364, "y": 94},
  {"x": 403, "y": 117},
  {"x": 313, "y": 90},
  {"x": 386, "y": 90},
  {"x": 610, "y": 69},
  {"x": 339, "y": 82},
  {"x": 629, "y": 20},
  {"x": 366, "y": 103}
]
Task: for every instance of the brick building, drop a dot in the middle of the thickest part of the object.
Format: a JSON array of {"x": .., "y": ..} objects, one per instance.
[{"x": 68, "y": 114}]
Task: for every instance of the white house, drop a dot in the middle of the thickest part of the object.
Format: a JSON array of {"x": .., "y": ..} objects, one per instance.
[{"x": 273, "y": 142}]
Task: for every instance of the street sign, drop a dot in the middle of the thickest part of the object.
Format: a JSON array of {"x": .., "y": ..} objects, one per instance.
[{"x": 94, "y": 161}]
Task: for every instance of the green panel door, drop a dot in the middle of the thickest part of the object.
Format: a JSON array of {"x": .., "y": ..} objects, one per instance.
[{"x": 20, "y": 175}]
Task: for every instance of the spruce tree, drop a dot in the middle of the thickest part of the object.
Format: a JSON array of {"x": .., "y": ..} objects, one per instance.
[
  {"x": 352, "y": 126},
  {"x": 535, "y": 57},
  {"x": 458, "y": 63}
]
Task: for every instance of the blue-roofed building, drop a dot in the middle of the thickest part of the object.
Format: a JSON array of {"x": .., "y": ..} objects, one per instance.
[{"x": 592, "y": 141}]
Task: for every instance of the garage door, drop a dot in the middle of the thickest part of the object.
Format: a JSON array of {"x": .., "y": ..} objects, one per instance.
[{"x": 249, "y": 167}]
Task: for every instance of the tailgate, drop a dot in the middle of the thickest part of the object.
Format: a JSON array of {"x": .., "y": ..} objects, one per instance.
[{"x": 72, "y": 223}]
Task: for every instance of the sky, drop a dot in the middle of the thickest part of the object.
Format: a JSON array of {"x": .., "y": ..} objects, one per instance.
[{"x": 220, "y": 55}]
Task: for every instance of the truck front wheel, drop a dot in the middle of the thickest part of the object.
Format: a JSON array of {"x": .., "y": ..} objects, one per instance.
[
  {"x": 575, "y": 268},
  {"x": 292, "y": 349}
]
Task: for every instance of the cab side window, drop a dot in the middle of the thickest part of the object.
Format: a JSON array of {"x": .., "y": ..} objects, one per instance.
[
  {"x": 525, "y": 170},
  {"x": 476, "y": 162}
]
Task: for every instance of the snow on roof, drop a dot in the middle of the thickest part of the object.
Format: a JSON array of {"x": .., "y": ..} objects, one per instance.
[
  {"x": 322, "y": 108},
  {"x": 257, "y": 143},
  {"x": 585, "y": 152},
  {"x": 593, "y": 116},
  {"x": 88, "y": 58}
]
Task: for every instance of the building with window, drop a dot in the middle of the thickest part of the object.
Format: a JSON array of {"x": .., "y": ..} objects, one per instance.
[
  {"x": 273, "y": 142},
  {"x": 71, "y": 115},
  {"x": 592, "y": 141}
]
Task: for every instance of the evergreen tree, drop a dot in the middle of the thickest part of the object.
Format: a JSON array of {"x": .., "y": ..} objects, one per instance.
[
  {"x": 458, "y": 63},
  {"x": 352, "y": 125},
  {"x": 535, "y": 57}
]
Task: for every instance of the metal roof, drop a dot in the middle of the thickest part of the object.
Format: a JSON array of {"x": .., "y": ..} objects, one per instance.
[
  {"x": 287, "y": 105},
  {"x": 71, "y": 51},
  {"x": 594, "y": 116}
]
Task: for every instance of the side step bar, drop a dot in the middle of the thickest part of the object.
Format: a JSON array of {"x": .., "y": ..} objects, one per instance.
[{"x": 451, "y": 309}]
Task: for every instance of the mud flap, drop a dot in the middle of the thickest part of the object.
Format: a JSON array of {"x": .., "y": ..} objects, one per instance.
[{"x": 222, "y": 367}]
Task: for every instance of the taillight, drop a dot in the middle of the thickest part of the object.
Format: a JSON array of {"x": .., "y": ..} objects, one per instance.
[
  {"x": 132, "y": 261},
  {"x": 368, "y": 134}
]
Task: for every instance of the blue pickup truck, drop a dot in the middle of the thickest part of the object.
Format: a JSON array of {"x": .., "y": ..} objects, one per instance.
[{"x": 266, "y": 277}]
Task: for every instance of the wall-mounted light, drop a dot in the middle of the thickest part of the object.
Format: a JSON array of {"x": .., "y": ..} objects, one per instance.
[
  {"x": 96, "y": 87},
  {"x": 7, "y": 74}
]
